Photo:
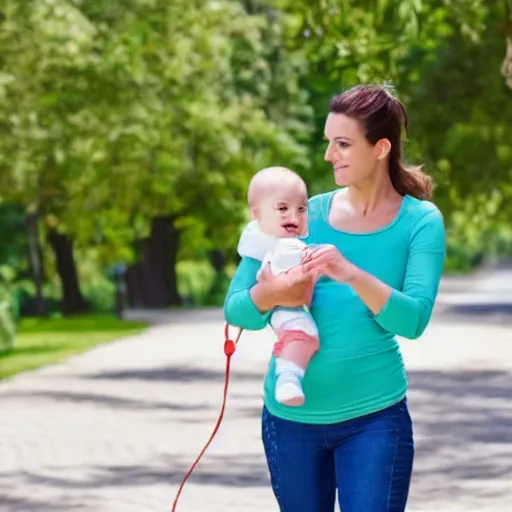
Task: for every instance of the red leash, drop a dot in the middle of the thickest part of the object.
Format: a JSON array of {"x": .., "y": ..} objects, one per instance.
[{"x": 229, "y": 350}]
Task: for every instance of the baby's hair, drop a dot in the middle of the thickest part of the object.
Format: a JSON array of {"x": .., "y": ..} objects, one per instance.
[{"x": 269, "y": 178}]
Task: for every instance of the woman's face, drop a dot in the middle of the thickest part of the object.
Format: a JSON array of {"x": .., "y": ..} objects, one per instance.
[{"x": 353, "y": 158}]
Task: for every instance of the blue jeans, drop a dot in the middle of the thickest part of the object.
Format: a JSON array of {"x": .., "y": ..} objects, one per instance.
[{"x": 367, "y": 459}]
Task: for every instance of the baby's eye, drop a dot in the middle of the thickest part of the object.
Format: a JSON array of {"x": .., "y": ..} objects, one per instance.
[
  {"x": 283, "y": 209},
  {"x": 302, "y": 209}
]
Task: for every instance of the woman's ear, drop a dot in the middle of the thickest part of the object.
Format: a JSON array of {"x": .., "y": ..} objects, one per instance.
[{"x": 383, "y": 147}]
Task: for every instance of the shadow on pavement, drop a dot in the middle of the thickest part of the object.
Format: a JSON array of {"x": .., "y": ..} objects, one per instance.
[
  {"x": 463, "y": 427},
  {"x": 213, "y": 379},
  {"x": 487, "y": 313},
  {"x": 230, "y": 471},
  {"x": 176, "y": 316},
  {"x": 9, "y": 504},
  {"x": 483, "y": 309},
  {"x": 110, "y": 401},
  {"x": 177, "y": 374}
]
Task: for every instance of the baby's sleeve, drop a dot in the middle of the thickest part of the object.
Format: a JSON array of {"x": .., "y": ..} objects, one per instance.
[
  {"x": 287, "y": 254},
  {"x": 253, "y": 243}
]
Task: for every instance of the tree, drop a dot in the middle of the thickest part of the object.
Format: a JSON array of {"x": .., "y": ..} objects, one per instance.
[
  {"x": 203, "y": 119},
  {"x": 46, "y": 48},
  {"x": 132, "y": 114}
]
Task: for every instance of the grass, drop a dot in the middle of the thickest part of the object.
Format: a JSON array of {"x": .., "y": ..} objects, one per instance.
[{"x": 44, "y": 341}]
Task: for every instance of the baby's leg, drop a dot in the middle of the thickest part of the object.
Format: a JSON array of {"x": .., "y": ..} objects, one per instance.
[
  {"x": 298, "y": 342},
  {"x": 296, "y": 346}
]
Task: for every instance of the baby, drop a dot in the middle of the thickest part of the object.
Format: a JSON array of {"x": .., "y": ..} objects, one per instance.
[{"x": 278, "y": 203}]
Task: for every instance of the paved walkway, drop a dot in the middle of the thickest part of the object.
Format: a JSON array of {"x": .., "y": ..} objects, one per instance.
[{"x": 115, "y": 429}]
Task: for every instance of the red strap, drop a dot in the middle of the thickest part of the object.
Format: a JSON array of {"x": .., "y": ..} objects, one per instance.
[{"x": 229, "y": 349}]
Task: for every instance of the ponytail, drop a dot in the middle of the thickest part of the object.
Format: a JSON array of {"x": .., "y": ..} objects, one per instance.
[{"x": 409, "y": 180}]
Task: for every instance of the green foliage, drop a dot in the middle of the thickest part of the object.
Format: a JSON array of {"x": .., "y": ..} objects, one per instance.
[
  {"x": 99, "y": 294},
  {"x": 218, "y": 289},
  {"x": 118, "y": 111},
  {"x": 464, "y": 132},
  {"x": 14, "y": 240},
  {"x": 200, "y": 285},
  {"x": 475, "y": 235},
  {"x": 8, "y": 310}
]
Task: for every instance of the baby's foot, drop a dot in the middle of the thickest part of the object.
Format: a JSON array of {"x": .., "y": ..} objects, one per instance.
[{"x": 289, "y": 390}]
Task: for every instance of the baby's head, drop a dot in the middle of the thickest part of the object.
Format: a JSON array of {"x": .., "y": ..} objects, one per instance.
[{"x": 278, "y": 200}]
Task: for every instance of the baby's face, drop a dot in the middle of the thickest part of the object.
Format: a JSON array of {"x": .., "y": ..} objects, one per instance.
[{"x": 283, "y": 213}]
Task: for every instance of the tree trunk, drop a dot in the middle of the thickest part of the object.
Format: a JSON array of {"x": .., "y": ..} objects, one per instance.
[
  {"x": 152, "y": 282},
  {"x": 72, "y": 299},
  {"x": 36, "y": 260}
]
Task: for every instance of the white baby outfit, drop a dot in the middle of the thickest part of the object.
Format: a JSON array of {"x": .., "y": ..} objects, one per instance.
[{"x": 282, "y": 254}]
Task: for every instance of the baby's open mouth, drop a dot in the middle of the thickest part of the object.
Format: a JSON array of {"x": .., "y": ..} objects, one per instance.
[{"x": 291, "y": 227}]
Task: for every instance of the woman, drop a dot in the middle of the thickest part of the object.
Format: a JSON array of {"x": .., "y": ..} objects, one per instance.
[{"x": 382, "y": 250}]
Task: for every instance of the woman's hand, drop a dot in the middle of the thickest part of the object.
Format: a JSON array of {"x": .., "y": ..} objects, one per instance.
[
  {"x": 328, "y": 261},
  {"x": 291, "y": 289}
]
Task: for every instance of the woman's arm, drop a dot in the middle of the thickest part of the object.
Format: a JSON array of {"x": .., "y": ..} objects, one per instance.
[
  {"x": 407, "y": 312},
  {"x": 249, "y": 302},
  {"x": 240, "y": 308},
  {"x": 404, "y": 312}
]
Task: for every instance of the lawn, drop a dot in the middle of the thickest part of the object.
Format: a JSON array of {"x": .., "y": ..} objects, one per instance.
[{"x": 43, "y": 341}]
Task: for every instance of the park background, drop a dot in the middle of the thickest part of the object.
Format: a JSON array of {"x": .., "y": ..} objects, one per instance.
[{"x": 130, "y": 130}]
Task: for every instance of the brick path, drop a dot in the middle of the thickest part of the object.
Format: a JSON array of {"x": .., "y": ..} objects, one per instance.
[{"x": 115, "y": 429}]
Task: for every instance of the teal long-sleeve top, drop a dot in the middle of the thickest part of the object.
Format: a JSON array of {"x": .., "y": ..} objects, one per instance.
[{"x": 358, "y": 368}]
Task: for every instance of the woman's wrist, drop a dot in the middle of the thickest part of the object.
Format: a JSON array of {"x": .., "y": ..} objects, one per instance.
[
  {"x": 263, "y": 297},
  {"x": 352, "y": 274},
  {"x": 346, "y": 273},
  {"x": 371, "y": 290}
]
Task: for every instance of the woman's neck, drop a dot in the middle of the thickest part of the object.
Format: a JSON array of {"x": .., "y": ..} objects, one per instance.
[{"x": 366, "y": 197}]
